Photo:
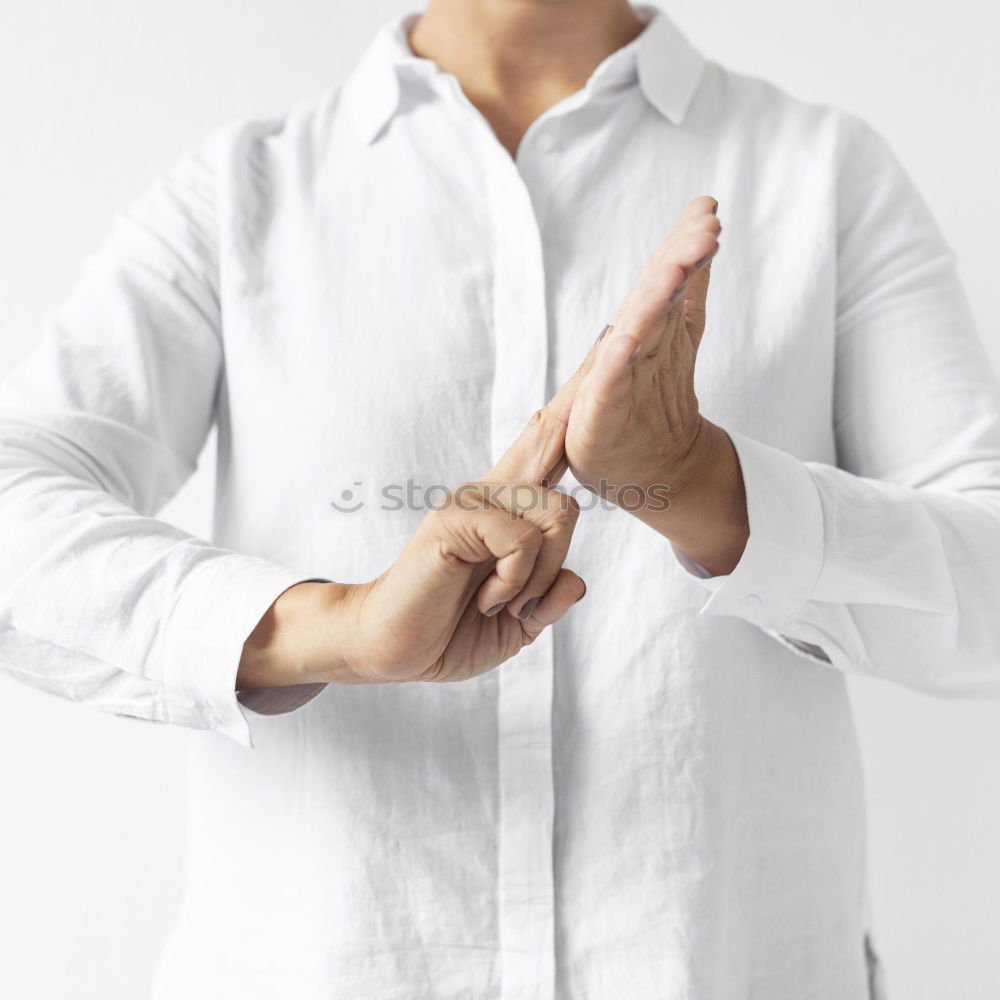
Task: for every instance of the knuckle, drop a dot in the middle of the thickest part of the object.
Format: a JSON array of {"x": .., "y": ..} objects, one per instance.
[
  {"x": 672, "y": 273},
  {"x": 445, "y": 551},
  {"x": 526, "y": 536},
  {"x": 566, "y": 508},
  {"x": 560, "y": 529},
  {"x": 544, "y": 418},
  {"x": 708, "y": 241},
  {"x": 555, "y": 510}
]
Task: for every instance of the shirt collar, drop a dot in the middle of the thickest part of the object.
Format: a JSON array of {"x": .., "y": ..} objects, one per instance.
[{"x": 666, "y": 65}]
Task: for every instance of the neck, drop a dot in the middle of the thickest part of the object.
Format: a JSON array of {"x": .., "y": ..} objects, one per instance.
[{"x": 515, "y": 58}]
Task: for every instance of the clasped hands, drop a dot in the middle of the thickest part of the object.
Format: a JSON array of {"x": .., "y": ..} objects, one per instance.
[{"x": 483, "y": 574}]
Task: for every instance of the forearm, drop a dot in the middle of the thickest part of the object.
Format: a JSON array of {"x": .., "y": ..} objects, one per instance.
[{"x": 706, "y": 518}]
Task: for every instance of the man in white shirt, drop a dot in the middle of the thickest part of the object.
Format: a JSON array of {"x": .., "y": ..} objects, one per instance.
[{"x": 396, "y": 287}]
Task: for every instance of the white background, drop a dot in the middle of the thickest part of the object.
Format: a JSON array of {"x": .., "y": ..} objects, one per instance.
[{"x": 97, "y": 95}]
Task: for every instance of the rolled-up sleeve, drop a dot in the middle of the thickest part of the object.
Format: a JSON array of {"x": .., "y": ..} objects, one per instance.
[
  {"x": 100, "y": 602},
  {"x": 889, "y": 563}
]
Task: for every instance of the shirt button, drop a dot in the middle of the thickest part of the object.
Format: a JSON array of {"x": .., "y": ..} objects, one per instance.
[
  {"x": 546, "y": 142},
  {"x": 752, "y": 600}
]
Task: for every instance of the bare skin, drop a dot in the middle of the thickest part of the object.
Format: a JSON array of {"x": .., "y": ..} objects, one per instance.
[
  {"x": 479, "y": 580},
  {"x": 628, "y": 416},
  {"x": 516, "y": 58},
  {"x": 636, "y": 420}
]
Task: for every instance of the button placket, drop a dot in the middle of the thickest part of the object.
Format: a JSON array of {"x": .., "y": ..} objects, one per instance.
[{"x": 524, "y": 709}]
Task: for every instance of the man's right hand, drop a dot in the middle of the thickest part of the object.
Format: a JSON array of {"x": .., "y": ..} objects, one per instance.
[{"x": 481, "y": 577}]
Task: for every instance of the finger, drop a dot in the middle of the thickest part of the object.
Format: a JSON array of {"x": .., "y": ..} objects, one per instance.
[
  {"x": 702, "y": 248},
  {"x": 698, "y": 217},
  {"x": 537, "y": 453},
  {"x": 703, "y": 205},
  {"x": 603, "y": 403},
  {"x": 555, "y": 474},
  {"x": 711, "y": 223},
  {"x": 565, "y": 591},
  {"x": 686, "y": 252},
  {"x": 609, "y": 384},
  {"x": 649, "y": 308},
  {"x": 555, "y": 516},
  {"x": 494, "y": 533},
  {"x": 695, "y": 303},
  {"x": 664, "y": 281},
  {"x": 455, "y": 548}
]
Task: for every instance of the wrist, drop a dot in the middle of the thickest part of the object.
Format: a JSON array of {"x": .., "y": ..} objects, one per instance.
[
  {"x": 664, "y": 481},
  {"x": 706, "y": 516},
  {"x": 698, "y": 464},
  {"x": 307, "y": 636}
]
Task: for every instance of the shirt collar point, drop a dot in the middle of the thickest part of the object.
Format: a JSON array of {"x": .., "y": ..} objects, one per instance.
[
  {"x": 669, "y": 66},
  {"x": 372, "y": 90}
]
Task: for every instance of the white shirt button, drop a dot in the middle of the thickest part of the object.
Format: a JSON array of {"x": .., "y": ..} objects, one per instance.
[
  {"x": 752, "y": 600},
  {"x": 546, "y": 142}
]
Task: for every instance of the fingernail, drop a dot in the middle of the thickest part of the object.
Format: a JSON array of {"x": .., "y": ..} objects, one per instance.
[
  {"x": 679, "y": 293},
  {"x": 600, "y": 336},
  {"x": 584, "y": 594},
  {"x": 496, "y": 609},
  {"x": 529, "y": 606}
]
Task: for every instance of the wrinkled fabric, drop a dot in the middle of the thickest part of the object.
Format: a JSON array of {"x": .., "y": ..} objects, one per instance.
[{"x": 369, "y": 297}]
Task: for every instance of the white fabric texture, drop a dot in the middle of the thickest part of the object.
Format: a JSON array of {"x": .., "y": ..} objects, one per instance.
[{"x": 661, "y": 797}]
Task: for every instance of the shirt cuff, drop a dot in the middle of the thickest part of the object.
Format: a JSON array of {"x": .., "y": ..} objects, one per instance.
[
  {"x": 220, "y": 604},
  {"x": 278, "y": 701},
  {"x": 784, "y": 554}
]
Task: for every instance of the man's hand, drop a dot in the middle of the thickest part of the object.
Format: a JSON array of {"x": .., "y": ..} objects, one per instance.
[
  {"x": 481, "y": 577},
  {"x": 635, "y": 421}
]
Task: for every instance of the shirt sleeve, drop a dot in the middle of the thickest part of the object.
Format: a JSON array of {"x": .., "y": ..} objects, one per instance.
[
  {"x": 889, "y": 564},
  {"x": 99, "y": 601}
]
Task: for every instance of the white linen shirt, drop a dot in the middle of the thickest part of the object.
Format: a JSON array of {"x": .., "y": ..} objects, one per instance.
[{"x": 368, "y": 296}]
